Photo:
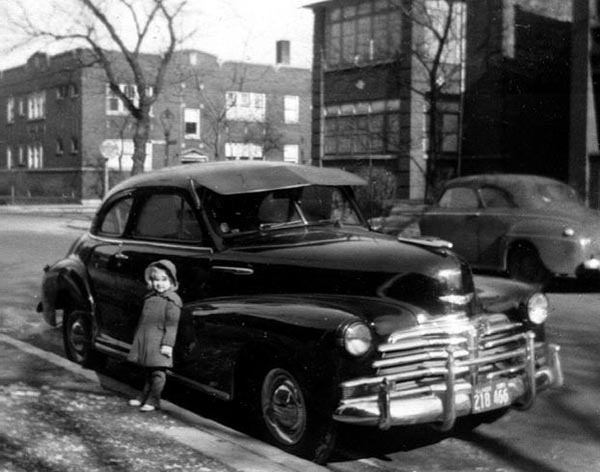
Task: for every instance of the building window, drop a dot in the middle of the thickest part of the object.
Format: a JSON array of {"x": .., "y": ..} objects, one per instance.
[
  {"x": 10, "y": 110},
  {"x": 9, "y": 158},
  {"x": 74, "y": 145},
  {"x": 60, "y": 147},
  {"x": 363, "y": 128},
  {"x": 291, "y": 106},
  {"x": 450, "y": 132},
  {"x": 62, "y": 91},
  {"x": 36, "y": 105},
  {"x": 21, "y": 107},
  {"x": 192, "y": 123},
  {"x": 114, "y": 104},
  {"x": 21, "y": 156},
  {"x": 243, "y": 151},
  {"x": 35, "y": 156},
  {"x": 362, "y": 33},
  {"x": 291, "y": 153},
  {"x": 245, "y": 106},
  {"x": 73, "y": 90}
]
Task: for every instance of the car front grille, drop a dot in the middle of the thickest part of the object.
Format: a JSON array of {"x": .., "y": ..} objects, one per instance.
[{"x": 416, "y": 361}]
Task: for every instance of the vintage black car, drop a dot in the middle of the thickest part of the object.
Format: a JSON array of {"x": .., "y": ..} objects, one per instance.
[{"x": 296, "y": 310}]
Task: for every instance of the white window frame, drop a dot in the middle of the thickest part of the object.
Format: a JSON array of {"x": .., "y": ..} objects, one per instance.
[
  {"x": 245, "y": 106},
  {"x": 130, "y": 90},
  {"x": 191, "y": 115},
  {"x": 10, "y": 110},
  {"x": 291, "y": 108},
  {"x": 35, "y": 156},
  {"x": 291, "y": 153},
  {"x": 36, "y": 105},
  {"x": 243, "y": 152},
  {"x": 9, "y": 157}
]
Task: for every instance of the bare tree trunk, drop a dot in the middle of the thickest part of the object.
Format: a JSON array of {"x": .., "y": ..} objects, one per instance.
[{"x": 140, "y": 138}]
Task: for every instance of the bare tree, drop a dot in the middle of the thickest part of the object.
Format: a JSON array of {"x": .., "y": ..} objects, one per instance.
[
  {"x": 438, "y": 52},
  {"x": 129, "y": 27},
  {"x": 218, "y": 125}
]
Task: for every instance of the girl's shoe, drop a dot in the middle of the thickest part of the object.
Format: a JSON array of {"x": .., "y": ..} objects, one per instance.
[
  {"x": 146, "y": 408},
  {"x": 135, "y": 402}
]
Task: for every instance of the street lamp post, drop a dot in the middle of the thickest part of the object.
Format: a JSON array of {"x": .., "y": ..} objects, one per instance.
[{"x": 166, "y": 120}]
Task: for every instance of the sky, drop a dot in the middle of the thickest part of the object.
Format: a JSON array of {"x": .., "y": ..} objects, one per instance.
[{"x": 245, "y": 30}]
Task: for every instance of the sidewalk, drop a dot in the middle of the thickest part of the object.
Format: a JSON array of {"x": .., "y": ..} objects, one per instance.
[{"x": 56, "y": 415}]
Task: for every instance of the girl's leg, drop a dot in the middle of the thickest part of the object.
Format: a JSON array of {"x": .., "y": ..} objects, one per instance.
[
  {"x": 158, "y": 378},
  {"x": 143, "y": 396}
]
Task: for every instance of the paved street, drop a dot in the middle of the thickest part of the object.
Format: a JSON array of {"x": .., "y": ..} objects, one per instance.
[{"x": 560, "y": 434}]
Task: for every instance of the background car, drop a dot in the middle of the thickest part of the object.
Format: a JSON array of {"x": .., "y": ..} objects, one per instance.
[
  {"x": 530, "y": 227},
  {"x": 296, "y": 310}
]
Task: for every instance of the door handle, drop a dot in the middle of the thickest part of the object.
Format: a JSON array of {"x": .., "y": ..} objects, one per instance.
[{"x": 121, "y": 256}]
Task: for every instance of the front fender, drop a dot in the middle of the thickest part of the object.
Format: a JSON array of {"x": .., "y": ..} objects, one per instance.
[
  {"x": 559, "y": 254},
  {"x": 65, "y": 284}
]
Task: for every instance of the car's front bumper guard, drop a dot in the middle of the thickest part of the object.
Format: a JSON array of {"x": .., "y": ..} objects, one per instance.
[{"x": 450, "y": 399}]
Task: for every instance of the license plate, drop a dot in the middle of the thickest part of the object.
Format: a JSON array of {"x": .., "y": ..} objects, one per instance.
[{"x": 490, "y": 396}]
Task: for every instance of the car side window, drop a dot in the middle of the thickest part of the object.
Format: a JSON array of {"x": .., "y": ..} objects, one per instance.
[
  {"x": 494, "y": 198},
  {"x": 459, "y": 197},
  {"x": 167, "y": 216},
  {"x": 115, "y": 219}
]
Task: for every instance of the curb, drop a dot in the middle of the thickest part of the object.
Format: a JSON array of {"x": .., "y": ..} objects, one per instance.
[{"x": 237, "y": 450}]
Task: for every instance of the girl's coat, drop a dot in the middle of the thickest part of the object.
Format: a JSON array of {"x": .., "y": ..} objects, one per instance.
[{"x": 157, "y": 327}]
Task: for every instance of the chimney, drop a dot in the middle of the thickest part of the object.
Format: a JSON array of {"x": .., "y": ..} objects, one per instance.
[{"x": 283, "y": 53}]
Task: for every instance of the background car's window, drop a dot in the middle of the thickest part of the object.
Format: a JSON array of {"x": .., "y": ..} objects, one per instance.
[
  {"x": 167, "y": 216},
  {"x": 115, "y": 219},
  {"x": 494, "y": 198},
  {"x": 459, "y": 197}
]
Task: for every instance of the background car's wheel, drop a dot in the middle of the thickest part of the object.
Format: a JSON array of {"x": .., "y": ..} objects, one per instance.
[
  {"x": 524, "y": 264},
  {"x": 288, "y": 418},
  {"x": 77, "y": 338}
]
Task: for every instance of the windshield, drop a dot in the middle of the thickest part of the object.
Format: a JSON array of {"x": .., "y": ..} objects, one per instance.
[{"x": 262, "y": 211}]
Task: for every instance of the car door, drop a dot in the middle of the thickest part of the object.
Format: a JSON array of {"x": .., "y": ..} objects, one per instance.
[
  {"x": 108, "y": 269},
  {"x": 456, "y": 219},
  {"x": 166, "y": 225},
  {"x": 496, "y": 218}
]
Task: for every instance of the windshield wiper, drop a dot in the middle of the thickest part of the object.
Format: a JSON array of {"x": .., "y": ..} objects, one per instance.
[{"x": 283, "y": 224}]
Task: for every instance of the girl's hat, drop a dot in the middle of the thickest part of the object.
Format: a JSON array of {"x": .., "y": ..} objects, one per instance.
[{"x": 167, "y": 266}]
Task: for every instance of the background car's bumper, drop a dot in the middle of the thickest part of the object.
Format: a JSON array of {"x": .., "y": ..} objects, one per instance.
[{"x": 448, "y": 400}]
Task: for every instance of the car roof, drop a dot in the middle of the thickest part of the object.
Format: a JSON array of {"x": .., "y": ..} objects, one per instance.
[
  {"x": 235, "y": 177},
  {"x": 502, "y": 180}
]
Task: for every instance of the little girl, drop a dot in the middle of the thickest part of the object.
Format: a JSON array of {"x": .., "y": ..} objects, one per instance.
[{"x": 155, "y": 334}]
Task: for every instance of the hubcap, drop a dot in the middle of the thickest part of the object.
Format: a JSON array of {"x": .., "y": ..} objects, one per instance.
[
  {"x": 78, "y": 337},
  {"x": 283, "y": 406}
]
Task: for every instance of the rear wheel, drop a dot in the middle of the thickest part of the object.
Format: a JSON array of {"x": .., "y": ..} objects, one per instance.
[
  {"x": 288, "y": 418},
  {"x": 524, "y": 264},
  {"x": 77, "y": 338}
]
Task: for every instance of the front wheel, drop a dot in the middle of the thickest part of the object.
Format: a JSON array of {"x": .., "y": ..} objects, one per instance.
[
  {"x": 77, "y": 338},
  {"x": 290, "y": 421}
]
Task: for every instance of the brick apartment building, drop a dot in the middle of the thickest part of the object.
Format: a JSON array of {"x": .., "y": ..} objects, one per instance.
[
  {"x": 63, "y": 133},
  {"x": 519, "y": 106}
]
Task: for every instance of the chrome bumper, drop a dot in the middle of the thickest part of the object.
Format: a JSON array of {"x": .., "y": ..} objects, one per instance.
[{"x": 444, "y": 402}]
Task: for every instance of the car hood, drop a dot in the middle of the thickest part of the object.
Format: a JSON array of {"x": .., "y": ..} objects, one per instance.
[
  {"x": 355, "y": 263},
  {"x": 339, "y": 249}
]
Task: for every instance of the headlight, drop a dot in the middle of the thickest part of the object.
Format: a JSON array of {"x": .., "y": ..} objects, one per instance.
[
  {"x": 357, "y": 339},
  {"x": 537, "y": 308},
  {"x": 568, "y": 232}
]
